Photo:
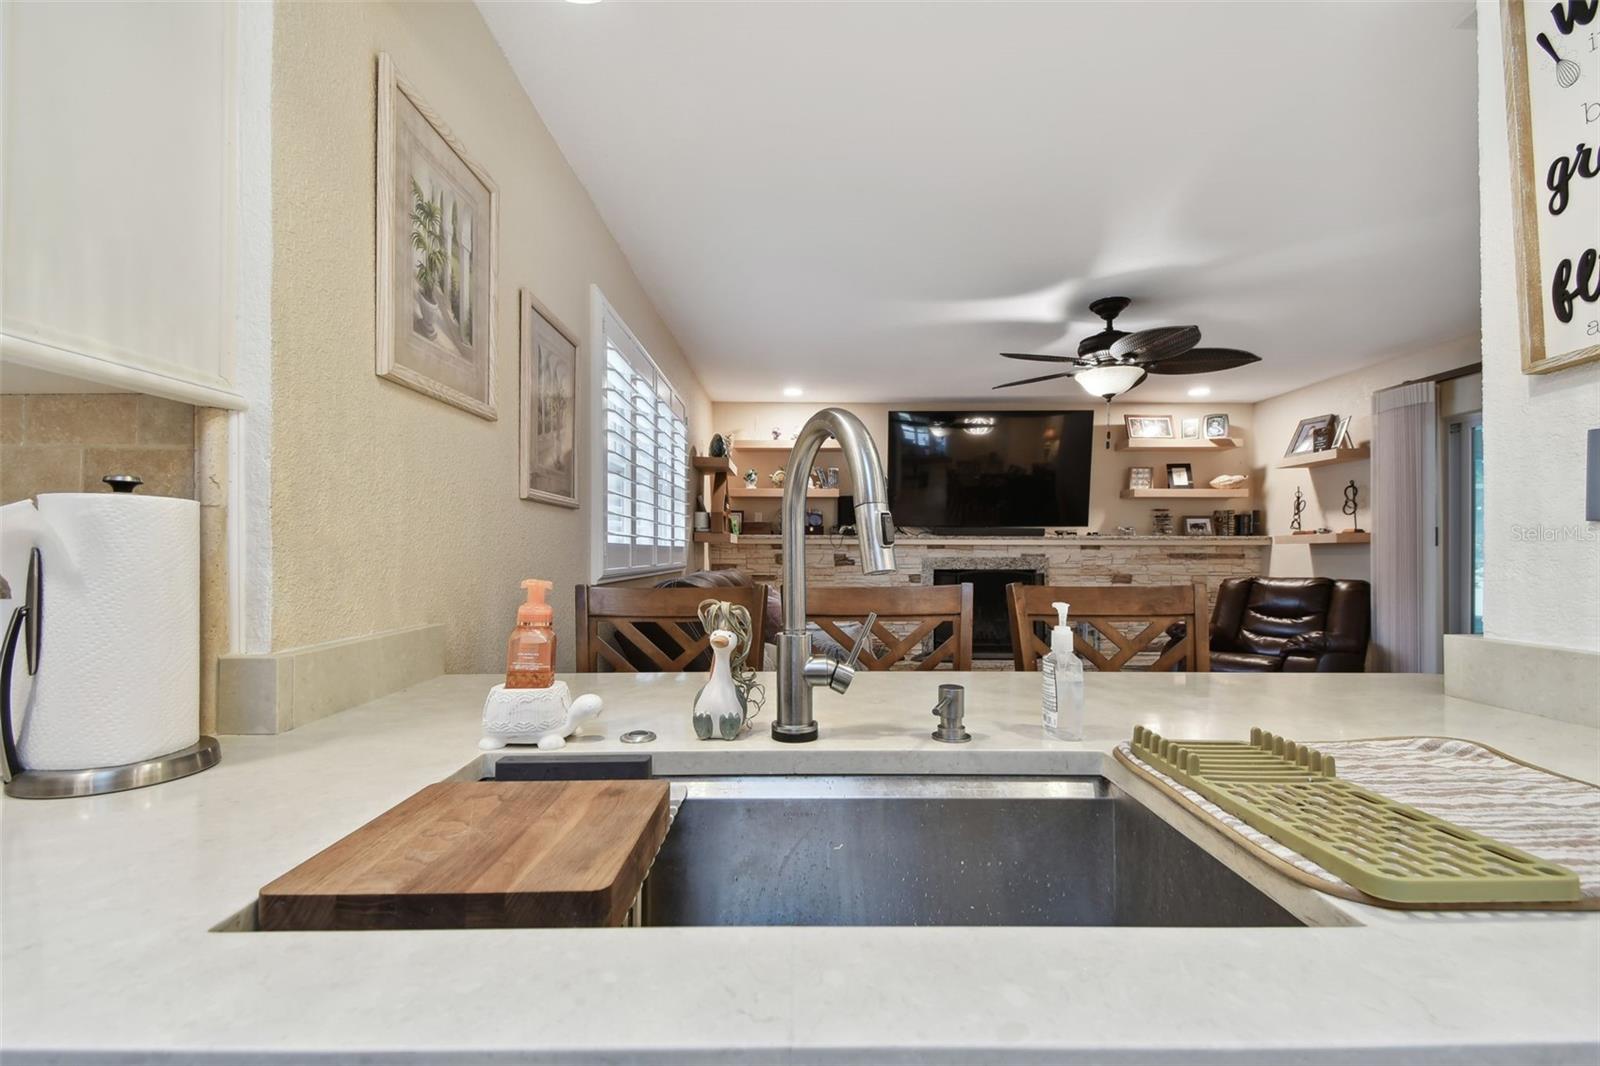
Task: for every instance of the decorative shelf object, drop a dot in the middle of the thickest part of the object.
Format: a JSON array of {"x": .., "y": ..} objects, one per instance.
[
  {"x": 811, "y": 494},
  {"x": 1326, "y": 457},
  {"x": 1186, "y": 494},
  {"x": 1360, "y": 536},
  {"x": 1164, "y": 444}
]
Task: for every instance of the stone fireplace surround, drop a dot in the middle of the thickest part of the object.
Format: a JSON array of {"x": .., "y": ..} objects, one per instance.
[{"x": 833, "y": 560}]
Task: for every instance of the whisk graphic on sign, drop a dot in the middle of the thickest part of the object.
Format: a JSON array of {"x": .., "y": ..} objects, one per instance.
[{"x": 1567, "y": 72}]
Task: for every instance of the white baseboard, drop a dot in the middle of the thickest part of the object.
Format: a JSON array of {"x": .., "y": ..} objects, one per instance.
[
  {"x": 276, "y": 692},
  {"x": 1537, "y": 679}
]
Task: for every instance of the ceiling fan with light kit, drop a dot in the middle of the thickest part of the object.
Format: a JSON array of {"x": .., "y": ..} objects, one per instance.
[{"x": 1113, "y": 361}]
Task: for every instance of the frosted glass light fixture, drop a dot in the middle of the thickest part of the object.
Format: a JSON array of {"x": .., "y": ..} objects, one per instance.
[{"x": 1108, "y": 381}]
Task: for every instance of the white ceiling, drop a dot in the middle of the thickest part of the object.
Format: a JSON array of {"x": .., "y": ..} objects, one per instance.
[{"x": 872, "y": 200}]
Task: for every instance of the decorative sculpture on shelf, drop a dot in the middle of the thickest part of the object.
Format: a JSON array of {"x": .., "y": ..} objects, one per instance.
[
  {"x": 1299, "y": 509},
  {"x": 750, "y": 478},
  {"x": 776, "y": 477},
  {"x": 1351, "y": 495}
]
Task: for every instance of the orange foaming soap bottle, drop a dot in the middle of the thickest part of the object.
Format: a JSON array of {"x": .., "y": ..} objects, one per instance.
[{"x": 531, "y": 652}]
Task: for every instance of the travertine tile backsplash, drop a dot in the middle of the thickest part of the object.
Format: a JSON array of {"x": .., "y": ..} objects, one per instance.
[{"x": 68, "y": 442}]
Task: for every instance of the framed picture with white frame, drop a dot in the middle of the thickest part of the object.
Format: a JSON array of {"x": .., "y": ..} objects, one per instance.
[{"x": 437, "y": 218}]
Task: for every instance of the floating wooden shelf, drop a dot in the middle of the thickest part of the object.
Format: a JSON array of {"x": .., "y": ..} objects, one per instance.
[
  {"x": 714, "y": 464},
  {"x": 716, "y": 538},
  {"x": 1326, "y": 457},
  {"x": 1185, "y": 494},
  {"x": 1362, "y": 537},
  {"x": 811, "y": 494},
  {"x": 776, "y": 445},
  {"x": 1162, "y": 444}
]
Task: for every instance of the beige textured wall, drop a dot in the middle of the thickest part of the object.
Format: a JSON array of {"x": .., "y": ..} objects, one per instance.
[
  {"x": 389, "y": 508},
  {"x": 1347, "y": 394},
  {"x": 66, "y": 442},
  {"x": 1108, "y": 469}
]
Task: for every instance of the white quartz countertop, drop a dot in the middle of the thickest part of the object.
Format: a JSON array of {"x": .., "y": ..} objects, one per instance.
[{"x": 106, "y": 905}]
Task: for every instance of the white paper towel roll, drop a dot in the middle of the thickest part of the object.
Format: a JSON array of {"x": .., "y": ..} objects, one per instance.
[{"x": 119, "y": 662}]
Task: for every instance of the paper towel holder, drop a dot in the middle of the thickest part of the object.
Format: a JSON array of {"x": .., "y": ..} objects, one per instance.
[{"x": 27, "y": 626}]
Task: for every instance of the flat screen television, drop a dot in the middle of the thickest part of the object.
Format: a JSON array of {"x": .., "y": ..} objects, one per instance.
[{"x": 990, "y": 470}]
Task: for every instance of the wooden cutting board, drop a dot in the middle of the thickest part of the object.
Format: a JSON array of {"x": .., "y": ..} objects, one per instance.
[{"x": 482, "y": 854}]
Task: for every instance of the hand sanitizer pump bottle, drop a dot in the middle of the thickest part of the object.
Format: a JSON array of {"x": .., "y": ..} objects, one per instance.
[{"x": 1063, "y": 682}]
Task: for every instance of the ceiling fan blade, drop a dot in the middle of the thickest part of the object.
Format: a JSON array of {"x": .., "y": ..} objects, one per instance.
[
  {"x": 1153, "y": 345},
  {"x": 1205, "y": 361},
  {"x": 1040, "y": 358},
  {"x": 1042, "y": 377}
]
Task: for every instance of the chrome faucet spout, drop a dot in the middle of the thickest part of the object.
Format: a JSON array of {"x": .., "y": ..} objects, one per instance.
[{"x": 798, "y": 672}]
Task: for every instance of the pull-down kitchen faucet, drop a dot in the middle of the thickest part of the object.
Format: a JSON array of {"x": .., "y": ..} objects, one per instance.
[{"x": 798, "y": 670}]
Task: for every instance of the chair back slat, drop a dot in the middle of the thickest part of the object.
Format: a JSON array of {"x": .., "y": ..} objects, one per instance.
[
  {"x": 631, "y": 629},
  {"x": 1130, "y": 619},
  {"x": 916, "y": 611}
]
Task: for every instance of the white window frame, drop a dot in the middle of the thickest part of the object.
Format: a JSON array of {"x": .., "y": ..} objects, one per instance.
[{"x": 646, "y": 554}]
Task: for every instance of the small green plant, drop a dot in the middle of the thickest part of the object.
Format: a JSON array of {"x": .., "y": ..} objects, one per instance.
[{"x": 427, "y": 238}]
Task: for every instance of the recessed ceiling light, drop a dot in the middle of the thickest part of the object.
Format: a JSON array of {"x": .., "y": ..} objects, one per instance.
[
  {"x": 583, "y": 1},
  {"x": 794, "y": 390},
  {"x": 1200, "y": 390}
]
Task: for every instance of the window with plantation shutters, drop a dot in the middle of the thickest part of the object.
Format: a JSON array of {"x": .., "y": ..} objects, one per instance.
[{"x": 642, "y": 456}]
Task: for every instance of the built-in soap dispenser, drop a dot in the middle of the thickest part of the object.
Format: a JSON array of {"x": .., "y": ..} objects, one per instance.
[
  {"x": 531, "y": 651},
  {"x": 1062, "y": 673}
]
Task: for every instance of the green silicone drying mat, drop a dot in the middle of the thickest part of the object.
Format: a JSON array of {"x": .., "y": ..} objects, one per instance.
[{"x": 1386, "y": 849}]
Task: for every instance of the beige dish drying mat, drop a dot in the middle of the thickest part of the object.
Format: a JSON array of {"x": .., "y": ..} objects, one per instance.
[{"x": 1544, "y": 813}]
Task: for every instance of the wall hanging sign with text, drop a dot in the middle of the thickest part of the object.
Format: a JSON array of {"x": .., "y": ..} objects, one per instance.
[{"x": 1552, "y": 57}]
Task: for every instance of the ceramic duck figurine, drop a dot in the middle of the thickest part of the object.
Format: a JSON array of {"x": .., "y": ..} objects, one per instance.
[
  {"x": 718, "y": 710},
  {"x": 542, "y": 716}
]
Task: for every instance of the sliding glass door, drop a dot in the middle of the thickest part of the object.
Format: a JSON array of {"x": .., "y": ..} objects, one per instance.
[{"x": 1463, "y": 524}]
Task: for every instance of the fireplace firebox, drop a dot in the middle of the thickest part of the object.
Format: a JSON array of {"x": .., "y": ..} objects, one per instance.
[{"x": 991, "y": 619}]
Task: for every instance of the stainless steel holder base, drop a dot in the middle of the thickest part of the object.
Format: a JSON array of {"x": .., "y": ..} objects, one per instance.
[{"x": 59, "y": 784}]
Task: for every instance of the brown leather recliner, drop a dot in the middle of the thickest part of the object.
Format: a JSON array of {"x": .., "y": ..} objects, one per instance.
[{"x": 1291, "y": 624}]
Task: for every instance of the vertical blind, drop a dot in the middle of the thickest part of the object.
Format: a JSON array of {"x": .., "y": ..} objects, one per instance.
[{"x": 646, "y": 446}]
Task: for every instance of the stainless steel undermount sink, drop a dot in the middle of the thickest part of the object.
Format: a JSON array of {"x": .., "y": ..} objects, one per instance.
[{"x": 936, "y": 851}]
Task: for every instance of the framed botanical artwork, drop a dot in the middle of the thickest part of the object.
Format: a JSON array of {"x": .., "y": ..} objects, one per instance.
[
  {"x": 1149, "y": 427},
  {"x": 1550, "y": 59},
  {"x": 1180, "y": 476},
  {"x": 1197, "y": 526},
  {"x": 1312, "y": 435},
  {"x": 1216, "y": 427},
  {"x": 548, "y": 411},
  {"x": 1189, "y": 429},
  {"x": 438, "y": 216}
]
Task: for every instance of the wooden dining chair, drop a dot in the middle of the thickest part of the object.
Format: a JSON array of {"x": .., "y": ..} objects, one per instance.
[
  {"x": 906, "y": 617},
  {"x": 1117, "y": 613},
  {"x": 633, "y": 629}
]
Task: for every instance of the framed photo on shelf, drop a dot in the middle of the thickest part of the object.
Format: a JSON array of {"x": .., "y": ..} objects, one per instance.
[
  {"x": 1180, "y": 476},
  {"x": 1141, "y": 477},
  {"x": 548, "y": 454},
  {"x": 1341, "y": 433},
  {"x": 1312, "y": 435},
  {"x": 736, "y": 522},
  {"x": 1197, "y": 525},
  {"x": 1189, "y": 428},
  {"x": 1149, "y": 427},
  {"x": 1216, "y": 426},
  {"x": 437, "y": 214}
]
